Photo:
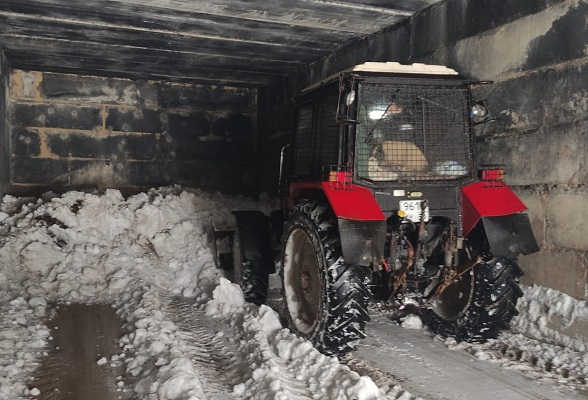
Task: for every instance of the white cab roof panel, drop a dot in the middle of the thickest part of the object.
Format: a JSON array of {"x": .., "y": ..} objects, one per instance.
[
  {"x": 390, "y": 68},
  {"x": 395, "y": 67}
]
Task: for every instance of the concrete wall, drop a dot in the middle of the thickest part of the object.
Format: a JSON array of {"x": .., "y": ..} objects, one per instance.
[
  {"x": 539, "y": 64},
  {"x": 535, "y": 51},
  {"x": 79, "y": 132},
  {"x": 4, "y": 128}
]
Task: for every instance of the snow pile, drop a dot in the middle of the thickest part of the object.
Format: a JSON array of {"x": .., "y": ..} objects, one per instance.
[
  {"x": 141, "y": 254},
  {"x": 549, "y": 315},
  {"x": 412, "y": 322},
  {"x": 90, "y": 247},
  {"x": 309, "y": 374}
]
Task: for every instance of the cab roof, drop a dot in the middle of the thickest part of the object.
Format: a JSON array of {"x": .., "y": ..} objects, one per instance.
[
  {"x": 396, "y": 67},
  {"x": 389, "y": 67}
]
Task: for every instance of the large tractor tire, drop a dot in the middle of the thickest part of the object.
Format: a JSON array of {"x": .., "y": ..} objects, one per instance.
[
  {"x": 253, "y": 282},
  {"x": 479, "y": 306},
  {"x": 326, "y": 299}
]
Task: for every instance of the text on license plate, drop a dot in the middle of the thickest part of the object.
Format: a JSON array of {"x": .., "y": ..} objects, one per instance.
[{"x": 414, "y": 209}]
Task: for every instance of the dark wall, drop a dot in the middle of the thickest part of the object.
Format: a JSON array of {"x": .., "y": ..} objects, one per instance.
[
  {"x": 537, "y": 60},
  {"x": 71, "y": 131},
  {"x": 4, "y": 128},
  {"x": 535, "y": 52}
]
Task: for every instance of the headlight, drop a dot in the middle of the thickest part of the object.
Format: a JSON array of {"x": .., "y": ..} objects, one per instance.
[{"x": 479, "y": 110}]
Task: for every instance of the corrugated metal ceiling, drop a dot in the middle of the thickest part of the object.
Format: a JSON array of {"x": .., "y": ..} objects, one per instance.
[{"x": 237, "y": 42}]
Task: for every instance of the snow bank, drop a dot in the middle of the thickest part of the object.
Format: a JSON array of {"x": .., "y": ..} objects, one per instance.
[
  {"x": 549, "y": 315},
  {"x": 143, "y": 253},
  {"x": 547, "y": 342},
  {"x": 309, "y": 373},
  {"x": 140, "y": 254},
  {"x": 23, "y": 339}
]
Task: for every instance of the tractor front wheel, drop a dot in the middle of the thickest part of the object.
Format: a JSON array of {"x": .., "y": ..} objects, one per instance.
[{"x": 326, "y": 299}]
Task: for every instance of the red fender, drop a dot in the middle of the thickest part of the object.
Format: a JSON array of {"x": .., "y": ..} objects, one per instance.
[
  {"x": 487, "y": 199},
  {"x": 362, "y": 224},
  {"x": 354, "y": 203}
]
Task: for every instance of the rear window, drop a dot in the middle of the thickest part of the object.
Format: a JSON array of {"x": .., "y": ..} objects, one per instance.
[{"x": 413, "y": 132}]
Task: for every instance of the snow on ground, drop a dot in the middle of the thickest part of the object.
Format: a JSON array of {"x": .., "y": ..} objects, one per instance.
[
  {"x": 534, "y": 347},
  {"x": 148, "y": 255},
  {"x": 142, "y": 254}
]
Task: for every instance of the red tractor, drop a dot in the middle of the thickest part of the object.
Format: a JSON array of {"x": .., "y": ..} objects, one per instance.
[{"x": 382, "y": 199}]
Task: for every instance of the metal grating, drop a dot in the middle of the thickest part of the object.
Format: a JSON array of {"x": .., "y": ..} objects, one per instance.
[
  {"x": 413, "y": 132},
  {"x": 316, "y": 140},
  {"x": 327, "y": 137},
  {"x": 303, "y": 141}
]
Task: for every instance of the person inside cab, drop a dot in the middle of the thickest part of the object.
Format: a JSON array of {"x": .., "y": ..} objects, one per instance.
[{"x": 392, "y": 145}]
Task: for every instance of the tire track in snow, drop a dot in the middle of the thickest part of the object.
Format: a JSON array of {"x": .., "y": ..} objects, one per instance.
[
  {"x": 535, "y": 359},
  {"x": 385, "y": 381},
  {"x": 223, "y": 364},
  {"x": 214, "y": 357},
  {"x": 255, "y": 364}
]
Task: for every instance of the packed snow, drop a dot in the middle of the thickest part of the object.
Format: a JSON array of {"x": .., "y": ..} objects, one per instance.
[
  {"x": 137, "y": 254},
  {"x": 535, "y": 347},
  {"x": 149, "y": 256}
]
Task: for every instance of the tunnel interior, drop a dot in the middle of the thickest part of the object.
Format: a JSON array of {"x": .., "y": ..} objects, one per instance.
[{"x": 132, "y": 94}]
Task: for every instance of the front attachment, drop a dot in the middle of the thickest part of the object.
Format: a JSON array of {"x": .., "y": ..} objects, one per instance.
[
  {"x": 252, "y": 257},
  {"x": 255, "y": 239}
]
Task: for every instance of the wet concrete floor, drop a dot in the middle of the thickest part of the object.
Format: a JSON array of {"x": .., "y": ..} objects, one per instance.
[{"x": 82, "y": 335}]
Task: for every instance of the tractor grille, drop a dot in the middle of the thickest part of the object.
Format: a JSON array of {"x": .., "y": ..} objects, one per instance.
[{"x": 413, "y": 133}]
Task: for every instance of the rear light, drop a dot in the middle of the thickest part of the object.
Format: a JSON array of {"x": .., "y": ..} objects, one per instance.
[
  {"x": 340, "y": 177},
  {"x": 492, "y": 173}
]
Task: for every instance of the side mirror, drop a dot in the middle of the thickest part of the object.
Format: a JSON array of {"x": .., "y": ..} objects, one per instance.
[
  {"x": 350, "y": 98},
  {"x": 346, "y": 107}
]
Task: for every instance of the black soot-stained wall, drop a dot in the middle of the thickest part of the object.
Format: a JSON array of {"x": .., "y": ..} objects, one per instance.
[{"x": 73, "y": 131}]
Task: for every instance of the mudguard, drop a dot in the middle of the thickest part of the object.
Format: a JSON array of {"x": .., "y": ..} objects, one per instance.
[
  {"x": 498, "y": 214},
  {"x": 510, "y": 235},
  {"x": 255, "y": 240},
  {"x": 362, "y": 242},
  {"x": 487, "y": 199},
  {"x": 356, "y": 203},
  {"x": 362, "y": 224}
]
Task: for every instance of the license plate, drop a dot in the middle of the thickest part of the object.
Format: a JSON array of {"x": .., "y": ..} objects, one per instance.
[{"x": 414, "y": 210}]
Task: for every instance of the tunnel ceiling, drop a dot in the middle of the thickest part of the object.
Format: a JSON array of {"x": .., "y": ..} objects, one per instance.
[{"x": 236, "y": 42}]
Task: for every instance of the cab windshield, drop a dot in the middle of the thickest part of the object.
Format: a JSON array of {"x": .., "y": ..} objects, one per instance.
[{"x": 413, "y": 132}]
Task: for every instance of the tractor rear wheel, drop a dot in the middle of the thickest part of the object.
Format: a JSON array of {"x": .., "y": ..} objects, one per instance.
[
  {"x": 480, "y": 305},
  {"x": 326, "y": 299}
]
